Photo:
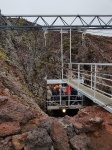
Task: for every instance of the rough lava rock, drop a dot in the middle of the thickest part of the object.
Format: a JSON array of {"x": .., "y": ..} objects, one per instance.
[
  {"x": 59, "y": 136},
  {"x": 38, "y": 139},
  {"x": 15, "y": 111},
  {"x": 80, "y": 142},
  {"x": 18, "y": 141},
  {"x": 9, "y": 128}
]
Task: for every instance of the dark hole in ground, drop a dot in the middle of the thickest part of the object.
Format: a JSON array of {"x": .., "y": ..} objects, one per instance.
[{"x": 59, "y": 113}]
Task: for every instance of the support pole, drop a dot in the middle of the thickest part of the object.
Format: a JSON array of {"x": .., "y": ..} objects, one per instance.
[
  {"x": 91, "y": 76},
  {"x": 70, "y": 45},
  {"x": 95, "y": 82},
  {"x": 61, "y": 62},
  {"x": 78, "y": 75},
  {"x": 70, "y": 66},
  {"x": 61, "y": 54}
]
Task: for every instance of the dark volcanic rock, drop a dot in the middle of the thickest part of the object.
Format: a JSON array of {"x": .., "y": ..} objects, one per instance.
[
  {"x": 46, "y": 124},
  {"x": 70, "y": 132},
  {"x": 80, "y": 142},
  {"x": 38, "y": 140}
]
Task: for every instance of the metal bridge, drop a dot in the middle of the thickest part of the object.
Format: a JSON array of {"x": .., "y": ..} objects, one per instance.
[{"x": 90, "y": 81}]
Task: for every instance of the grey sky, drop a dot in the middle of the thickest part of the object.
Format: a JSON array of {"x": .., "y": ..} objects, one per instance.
[
  {"x": 18, "y": 7},
  {"x": 56, "y": 6}
]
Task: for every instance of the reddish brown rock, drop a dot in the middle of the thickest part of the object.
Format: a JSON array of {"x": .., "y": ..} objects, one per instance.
[
  {"x": 14, "y": 111},
  {"x": 9, "y": 128},
  {"x": 80, "y": 142},
  {"x": 87, "y": 124},
  {"x": 59, "y": 136}
]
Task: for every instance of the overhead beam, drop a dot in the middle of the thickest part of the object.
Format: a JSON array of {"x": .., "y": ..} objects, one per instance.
[{"x": 55, "y": 22}]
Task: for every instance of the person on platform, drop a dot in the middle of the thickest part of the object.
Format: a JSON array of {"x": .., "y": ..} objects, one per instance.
[{"x": 49, "y": 93}]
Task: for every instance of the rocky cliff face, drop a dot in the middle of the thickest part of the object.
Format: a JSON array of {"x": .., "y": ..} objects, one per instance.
[{"x": 24, "y": 62}]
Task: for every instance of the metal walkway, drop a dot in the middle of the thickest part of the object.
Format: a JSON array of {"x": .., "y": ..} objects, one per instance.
[
  {"x": 96, "y": 81},
  {"x": 97, "y": 97}
]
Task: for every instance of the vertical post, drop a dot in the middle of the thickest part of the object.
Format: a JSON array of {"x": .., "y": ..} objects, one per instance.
[
  {"x": 69, "y": 96},
  {"x": 82, "y": 100},
  {"x": 69, "y": 71},
  {"x": 91, "y": 76},
  {"x": 70, "y": 45},
  {"x": 60, "y": 96},
  {"x": 95, "y": 82},
  {"x": 61, "y": 54},
  {"x": 69, "y": 77},
  {"x": 78, "y": 74}
]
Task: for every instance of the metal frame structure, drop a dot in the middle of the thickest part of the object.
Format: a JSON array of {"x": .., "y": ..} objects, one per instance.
[
  {"x": 55, "y": 22},
  {"x": 62, "y": 100}
]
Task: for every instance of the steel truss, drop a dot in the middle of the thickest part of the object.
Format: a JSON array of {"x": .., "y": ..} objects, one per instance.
[{"x": 55, "y": 22}]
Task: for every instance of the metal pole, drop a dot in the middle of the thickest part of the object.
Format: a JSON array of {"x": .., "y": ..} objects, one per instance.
[
  {"x": 70, "y": 45},
  {"x": 70, "y": 69},
  {"x": 60, "y": 96},
  {"x": 62, "y": 53},
  {"x": 95, "y": 82},
  {"x": 78, "y": 74},
  {"x": 91, "y": 76},
  {"x": 69, "y": 96}
]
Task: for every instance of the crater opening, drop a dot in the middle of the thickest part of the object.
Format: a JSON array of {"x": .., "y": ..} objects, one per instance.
[{"x": 60, "y": 113}]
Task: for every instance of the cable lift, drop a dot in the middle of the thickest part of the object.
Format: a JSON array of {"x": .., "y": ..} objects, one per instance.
[{"x": 63, "y": 96}]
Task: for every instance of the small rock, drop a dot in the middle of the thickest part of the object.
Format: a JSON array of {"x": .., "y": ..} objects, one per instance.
[
  {"x": 80, "y": 142},
  {"x": 3, "y": 100},
  {"x": 96, "y": 134},
  {"x": 97, "y": 120},
  {"x": 38, "y": 139},
  {"x": 18, "y": 141},
  {"x": 7, "y": 139},
  {"x": 9, "y": 128},
  {"x": 70, "y": 132}
]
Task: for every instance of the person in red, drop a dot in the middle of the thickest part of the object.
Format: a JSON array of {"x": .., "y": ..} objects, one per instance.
[
  {"x": 68, "y": 93},
  {"x": 68, "y": 90}
]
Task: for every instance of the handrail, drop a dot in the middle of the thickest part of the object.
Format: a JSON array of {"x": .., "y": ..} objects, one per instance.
[
  {"x": 93, "y": 76},
  {"x": 99, "y": 64}
]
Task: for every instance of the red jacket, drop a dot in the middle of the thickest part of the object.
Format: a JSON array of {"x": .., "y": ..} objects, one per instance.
[{"x": 68, "y": 90}]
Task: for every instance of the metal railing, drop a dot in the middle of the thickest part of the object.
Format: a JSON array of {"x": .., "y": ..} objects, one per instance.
[
  {"x": 65, "y": 100},
  {"x": 96, "y": 76}
]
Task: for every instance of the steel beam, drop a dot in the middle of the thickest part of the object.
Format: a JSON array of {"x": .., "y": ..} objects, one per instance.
[{"x": 55, "y": 22}]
